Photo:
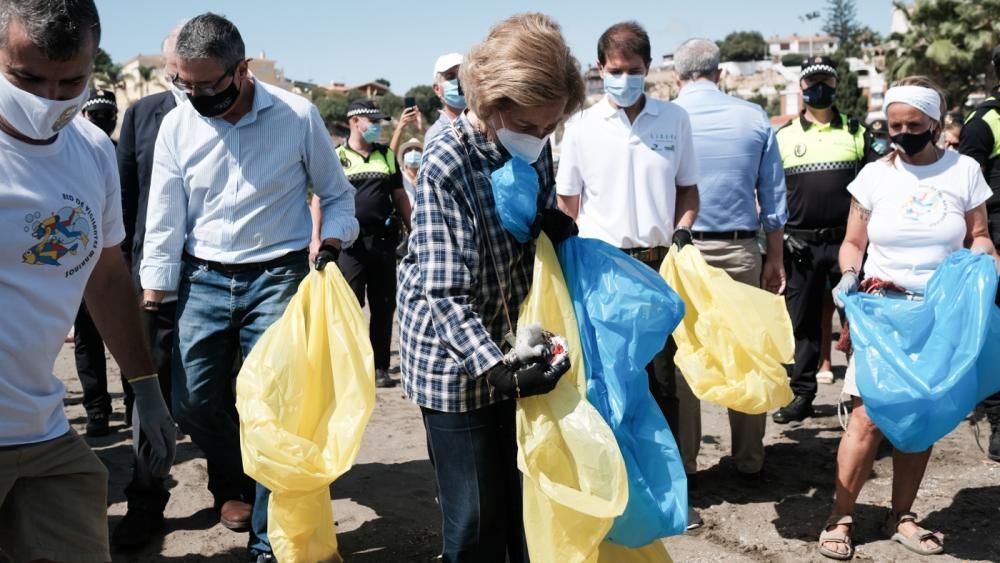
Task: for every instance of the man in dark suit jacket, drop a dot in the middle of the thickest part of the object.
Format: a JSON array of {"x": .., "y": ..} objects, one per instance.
[{"x": 147, "y": 494}]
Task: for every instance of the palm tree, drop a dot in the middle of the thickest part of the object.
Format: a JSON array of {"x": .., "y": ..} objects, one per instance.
[
  {"x": 111, "y": 76},
  {"x": 145, "y": 76}
]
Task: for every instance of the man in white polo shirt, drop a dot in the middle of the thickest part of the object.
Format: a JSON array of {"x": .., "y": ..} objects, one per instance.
[{"x": 628, "y": 174}]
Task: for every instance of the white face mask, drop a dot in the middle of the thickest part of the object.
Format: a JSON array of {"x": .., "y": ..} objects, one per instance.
[
  {"x": 33, "y": 116},
  {"x": 522, "y": 145}
]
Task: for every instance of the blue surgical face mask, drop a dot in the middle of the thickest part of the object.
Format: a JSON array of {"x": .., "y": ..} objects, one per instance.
[
  {"x": 624, "y": 89},
  {"x": 373, "y": 132},
  {"x": 452, "y": 94},
  {"x": 412, "y": 158},
  {"x": 515, "y": 189}
]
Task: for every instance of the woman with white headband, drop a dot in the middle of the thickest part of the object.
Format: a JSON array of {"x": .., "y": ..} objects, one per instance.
[{"x": 909, "y": 210}]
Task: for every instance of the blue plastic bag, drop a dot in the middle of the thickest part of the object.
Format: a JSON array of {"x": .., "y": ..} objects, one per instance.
[
  {"x": 923, "y": 365},
  {"x": 515, "y": 189},
  {"x": 625, "y": 312}
]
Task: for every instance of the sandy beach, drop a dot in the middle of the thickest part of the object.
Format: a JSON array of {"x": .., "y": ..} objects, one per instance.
[{"x": 386, "y": 511}]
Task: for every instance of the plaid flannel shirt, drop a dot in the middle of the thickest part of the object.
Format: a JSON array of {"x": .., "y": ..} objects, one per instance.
[{"x": 451, "y": 313}]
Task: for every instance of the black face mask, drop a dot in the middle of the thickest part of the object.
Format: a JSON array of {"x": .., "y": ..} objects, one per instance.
[
  {"x": 913, "y": 143},
  {"x": 819, "y": 95},
  {"x": 216, "y": 104}
]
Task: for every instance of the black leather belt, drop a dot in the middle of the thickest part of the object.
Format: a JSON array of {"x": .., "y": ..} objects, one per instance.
[
  {"x": 723, "y": 235},
  {"x": 654, "y": 254},
  {"x": 248, "y": 267},
  {"x": 829, "y": 234}
]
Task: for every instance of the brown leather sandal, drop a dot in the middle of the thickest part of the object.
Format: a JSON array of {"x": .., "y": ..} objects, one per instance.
[{"x": 830, "y": 534}]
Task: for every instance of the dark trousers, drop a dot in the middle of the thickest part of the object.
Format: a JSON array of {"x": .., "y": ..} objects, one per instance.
[
  {"x": 145, "y": 489},
  {"x": 992, "y": 403},
  {"x": 369, "y": 266},
  {"x": 92, "y": 366},
  {"x": 808, "y": 282},
  {"x": 479, "y": 485}
]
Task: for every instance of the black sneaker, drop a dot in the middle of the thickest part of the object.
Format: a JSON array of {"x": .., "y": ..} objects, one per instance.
[
  {"x": 798, "y": 410},
  {"x": 138, "y": 527},
  {"x": 994, "y": 450},
  {"x": 97, "y": 425},
  {"x": 382, "y": 379}
]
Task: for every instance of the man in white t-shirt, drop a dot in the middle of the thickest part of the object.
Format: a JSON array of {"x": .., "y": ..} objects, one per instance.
[
  {"x": 59, "y": 199},
  {"x": 628, "y": 174}
]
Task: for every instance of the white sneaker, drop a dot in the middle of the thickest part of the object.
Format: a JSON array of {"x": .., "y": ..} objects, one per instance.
[{"x": 694, "y": 519}]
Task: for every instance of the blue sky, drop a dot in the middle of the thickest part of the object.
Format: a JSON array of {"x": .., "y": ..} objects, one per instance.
[{"x": 356, "y": 41}]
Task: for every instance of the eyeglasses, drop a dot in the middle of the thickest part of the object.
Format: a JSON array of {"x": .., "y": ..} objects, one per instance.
[{"x": 204, "y": 89}]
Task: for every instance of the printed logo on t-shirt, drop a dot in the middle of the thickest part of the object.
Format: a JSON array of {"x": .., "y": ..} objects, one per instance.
[
  {"x": 926, "y": 206},
  {"x": 64, "y": 238},
  {"x": 663, "y": 141}
]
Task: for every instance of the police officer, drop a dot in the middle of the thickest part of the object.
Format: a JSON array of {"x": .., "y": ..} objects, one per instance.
[
  {"x": 821, "y": 151},
  {"x": 980, "y": 139},
  {"x": 101, "y": 109},
  {"x": 370, "y": 264}
]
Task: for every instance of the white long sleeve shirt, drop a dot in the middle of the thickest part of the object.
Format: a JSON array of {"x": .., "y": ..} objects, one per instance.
[{"x": 237, "y": 194}]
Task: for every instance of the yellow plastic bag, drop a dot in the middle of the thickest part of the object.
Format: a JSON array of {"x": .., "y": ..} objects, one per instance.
[
  {"x": 655, "y": 552},
  {"x": 574, "y": 476},
  {"x": 304, "y": 395},
  {"x": 733, "y": 339}
]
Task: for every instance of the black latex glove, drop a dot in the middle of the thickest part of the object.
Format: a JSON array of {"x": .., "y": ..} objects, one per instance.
[
  {"x": 554, "y": 223},
  {"x": 681, "y": 238},
  {"x": 537, "y": 377},
  {"x": 327, "y": 253},
  {"x": 798, "y": 249}
]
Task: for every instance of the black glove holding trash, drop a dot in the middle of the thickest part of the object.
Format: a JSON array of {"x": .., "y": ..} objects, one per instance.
[
  {"x": 554, "y": 223},
  {"x": 535, "y": 365},
  {"x": 327, "y": 254}
]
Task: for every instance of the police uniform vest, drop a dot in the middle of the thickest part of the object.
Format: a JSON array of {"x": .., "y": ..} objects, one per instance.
[
  {"x": 989, "y": 113},
  {"x": 820, "y": 160},
  {"x": 374, "y": 178}
]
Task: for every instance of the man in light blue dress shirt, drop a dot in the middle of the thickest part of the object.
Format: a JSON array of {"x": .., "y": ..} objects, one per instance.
[
  {"x": 228, "y": 228},
  {"x": 742, "y": 188}
]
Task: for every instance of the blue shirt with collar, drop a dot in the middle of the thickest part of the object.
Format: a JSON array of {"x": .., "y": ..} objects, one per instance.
[{"x": 739, "y": 161}]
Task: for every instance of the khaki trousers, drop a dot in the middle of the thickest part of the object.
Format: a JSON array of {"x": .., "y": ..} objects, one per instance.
[{"x": 742, "y": 261}]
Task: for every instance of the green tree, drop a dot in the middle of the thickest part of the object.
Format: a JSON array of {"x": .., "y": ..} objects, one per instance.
[
  {"x": 743, "y": 46},
  {"x": 102, "y": 62},
  {"x": 383, "y": 82},
  {"x": 772, "y": 104},
  {"x": 950, "y": 41},
  {"x": 145, "y": 77},
  {"x": 427, "y": 101},
  {"x": 841, "y": 20},
  {"x": 792, "y": 59},
  {"x": 332, "y": 107},
  {"x": 850, "y": 99}
]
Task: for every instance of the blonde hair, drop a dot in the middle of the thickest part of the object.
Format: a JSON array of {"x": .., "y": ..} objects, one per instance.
[
  {"x": 919, "y": 80},
  {"x": 524, "y": 61}
]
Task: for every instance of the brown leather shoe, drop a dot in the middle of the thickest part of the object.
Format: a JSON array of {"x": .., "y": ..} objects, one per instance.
[{"x": 235, "y": 515}]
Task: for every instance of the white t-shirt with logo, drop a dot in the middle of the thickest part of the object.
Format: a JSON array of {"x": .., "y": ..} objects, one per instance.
[
  {"x": 60, "y": 205},
  {"x": 917, "y": 214},
  {"x": 627, "y": 174}
]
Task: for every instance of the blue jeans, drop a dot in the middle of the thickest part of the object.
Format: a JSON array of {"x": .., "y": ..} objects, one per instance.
[
  {"x": 220, "y": 316},
  {"x": 479, "y": 486}
]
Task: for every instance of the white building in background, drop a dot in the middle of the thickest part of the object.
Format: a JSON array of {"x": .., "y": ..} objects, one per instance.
[
  {"x": 133, "y": 86},
  {"x": 805, "y": 45}
]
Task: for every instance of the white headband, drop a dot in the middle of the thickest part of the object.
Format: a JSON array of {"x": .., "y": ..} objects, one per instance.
[{"x": 924, "y": 99}]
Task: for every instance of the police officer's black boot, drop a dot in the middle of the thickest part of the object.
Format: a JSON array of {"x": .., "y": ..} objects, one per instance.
[
  {"x": 798, "y": 410},
  {"x": 994, "y": 450}
]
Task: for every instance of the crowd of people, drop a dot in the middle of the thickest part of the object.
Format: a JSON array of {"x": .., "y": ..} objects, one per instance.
[{"x": 180, "y": 244}]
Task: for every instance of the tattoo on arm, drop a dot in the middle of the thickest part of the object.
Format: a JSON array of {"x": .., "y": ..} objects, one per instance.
[{"x": 862, "y": 213}]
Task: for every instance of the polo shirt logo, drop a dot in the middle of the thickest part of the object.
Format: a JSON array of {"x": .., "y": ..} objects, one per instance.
[
  {"x": 800, "y": 150},
  {"x": 345, "y": 162}
]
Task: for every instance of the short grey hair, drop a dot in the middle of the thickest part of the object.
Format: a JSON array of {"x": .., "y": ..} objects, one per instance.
[
  {"x": 211, "y": 36},
  {"x": 170, "y": 41},
  {"x": 59, "y": 29},
  {"x": 696, "y": 58}
]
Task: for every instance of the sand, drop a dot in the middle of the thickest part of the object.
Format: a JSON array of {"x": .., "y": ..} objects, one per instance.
[{"x": 386, "y": 510}]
